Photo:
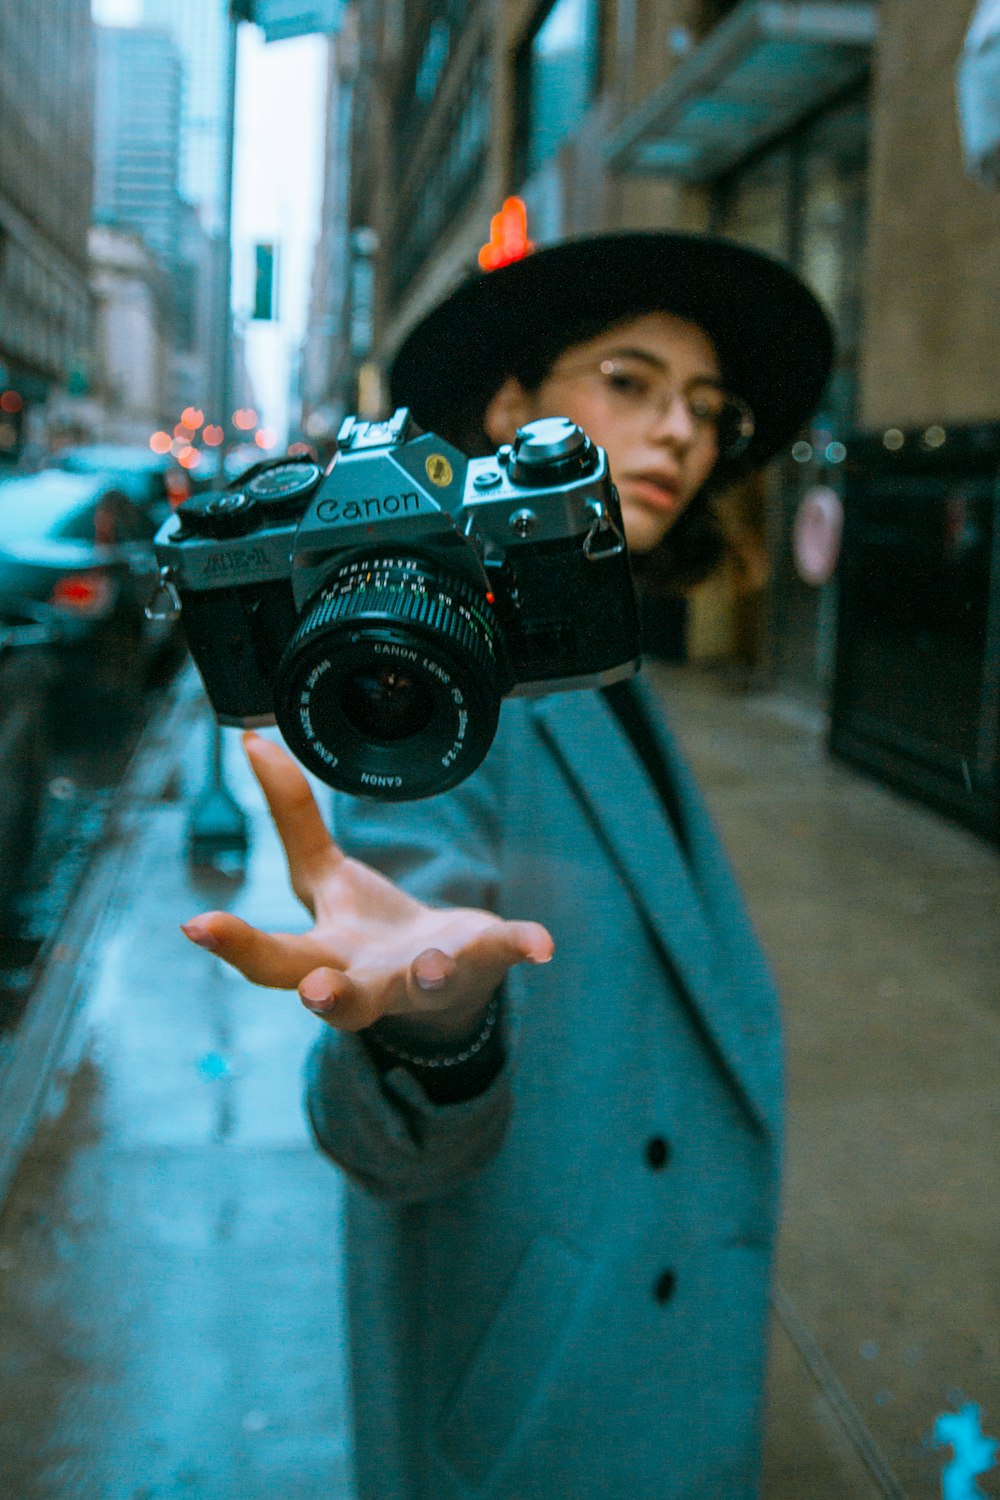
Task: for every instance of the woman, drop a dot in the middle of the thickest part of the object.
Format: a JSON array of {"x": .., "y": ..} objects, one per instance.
[{"x": 563, "y": 1178}]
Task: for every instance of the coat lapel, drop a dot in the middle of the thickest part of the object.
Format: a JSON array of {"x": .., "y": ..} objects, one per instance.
[{"x": 721, "y": 974}]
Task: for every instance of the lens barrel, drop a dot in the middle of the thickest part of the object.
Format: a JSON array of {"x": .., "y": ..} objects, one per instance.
[{"x": 391, "y": 686}]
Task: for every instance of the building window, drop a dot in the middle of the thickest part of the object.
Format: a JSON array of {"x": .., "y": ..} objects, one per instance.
[
  {"x": 804, "y": 201},
  {"x": 557, "y": 74},
  {"x": 445, "y": 173}
]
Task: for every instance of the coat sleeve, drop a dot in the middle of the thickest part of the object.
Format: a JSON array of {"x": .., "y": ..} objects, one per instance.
[{"x": 383, "y": 1129}]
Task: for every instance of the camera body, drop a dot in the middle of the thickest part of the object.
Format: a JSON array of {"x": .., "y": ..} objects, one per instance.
[{"x": 380, "y": 611}]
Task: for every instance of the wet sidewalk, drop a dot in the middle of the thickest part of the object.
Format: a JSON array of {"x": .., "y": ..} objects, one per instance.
[
  {"x": 172, "y": 1320},
  {"x": 170, "y": 1248},
  {"x": 882, "y": 921}
]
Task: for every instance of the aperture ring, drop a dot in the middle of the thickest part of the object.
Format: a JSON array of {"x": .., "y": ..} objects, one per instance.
[{"x": 439, "y": 613}]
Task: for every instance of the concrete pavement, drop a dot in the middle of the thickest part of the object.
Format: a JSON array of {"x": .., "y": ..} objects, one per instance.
[
  {"x": 882, "y": 920},
  {"x": 170, "y": 1248}
]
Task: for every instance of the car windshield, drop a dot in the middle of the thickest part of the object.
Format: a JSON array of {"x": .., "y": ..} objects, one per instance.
[
  {"x": 86, "y": 460},
  {"x": 35, "y": 505}
]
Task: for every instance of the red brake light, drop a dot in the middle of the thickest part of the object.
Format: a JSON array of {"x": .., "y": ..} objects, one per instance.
[
  {"x": 82, "y": 593},
  {"x": 178, "y": 488}
]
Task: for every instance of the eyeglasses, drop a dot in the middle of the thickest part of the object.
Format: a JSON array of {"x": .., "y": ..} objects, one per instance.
[{"x": 638, "y": 393}]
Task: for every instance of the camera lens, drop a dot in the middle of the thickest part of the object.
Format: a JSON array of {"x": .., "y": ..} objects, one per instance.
[
  {"x": 391, "y": 686},
  {"x": 387, "y": 705}
]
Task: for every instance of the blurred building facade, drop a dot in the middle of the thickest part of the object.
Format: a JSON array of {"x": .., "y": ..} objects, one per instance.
[
  {"x": 162, "y": 163},
  {"x": 200, "y": 32},
  {"x": 329, "y": 355},
  {"x": 824, "y": 132},
  {"x": 133, "y": 343},
  {"x": 748, "y": 120},
  {"x": 138, "y": 136},
  {"x": 46, "y": 186}
]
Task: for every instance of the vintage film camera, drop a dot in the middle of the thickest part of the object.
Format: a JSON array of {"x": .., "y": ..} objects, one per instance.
[{"x": 380, "y": 612}]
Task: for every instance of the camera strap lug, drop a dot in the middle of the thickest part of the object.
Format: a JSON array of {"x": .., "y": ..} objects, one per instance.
[
  {"x": 166, "y": 602},
  {"x": 603, "y": 539}
]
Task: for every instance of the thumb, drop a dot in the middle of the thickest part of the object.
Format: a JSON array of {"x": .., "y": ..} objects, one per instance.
[
  {"x": 527, "y": 942},
  {"x": 504, "y": 944}
]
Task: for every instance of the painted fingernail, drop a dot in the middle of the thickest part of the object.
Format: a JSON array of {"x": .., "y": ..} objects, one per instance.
[
  {"x": 201, "y": 936},
  {"x": 431, "y": 981},
  {"x": 432, "y": 970},
  {"x": 315, "y": 993}
]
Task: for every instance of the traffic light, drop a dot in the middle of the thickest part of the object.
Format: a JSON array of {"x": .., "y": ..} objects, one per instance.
[{"x": 265, "y": 283}]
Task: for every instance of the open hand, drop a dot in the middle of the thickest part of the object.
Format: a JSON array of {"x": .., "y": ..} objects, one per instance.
[{"x": 373, "y": 950}]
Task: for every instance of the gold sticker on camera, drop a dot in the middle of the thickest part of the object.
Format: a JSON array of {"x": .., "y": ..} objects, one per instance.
[{"x": 439, "y": 470}]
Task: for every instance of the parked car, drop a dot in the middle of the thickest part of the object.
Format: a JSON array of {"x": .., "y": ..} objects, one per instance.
[
  {"x": 29, "y": 636},
  {"x": 152, "y": 481},
  {"x": 81, "y": 546}
]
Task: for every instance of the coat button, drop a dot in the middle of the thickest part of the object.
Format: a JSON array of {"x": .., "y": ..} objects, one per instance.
[
  {"x": 657, "y": 1152},
  {"x": 664, "y": 1288}
]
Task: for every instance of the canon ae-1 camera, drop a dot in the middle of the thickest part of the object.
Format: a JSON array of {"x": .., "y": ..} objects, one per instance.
[{"x": 379, "y": 612}]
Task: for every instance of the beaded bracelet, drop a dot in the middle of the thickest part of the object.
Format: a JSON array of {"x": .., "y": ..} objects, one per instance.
[{"x": 449, "y": 1060}]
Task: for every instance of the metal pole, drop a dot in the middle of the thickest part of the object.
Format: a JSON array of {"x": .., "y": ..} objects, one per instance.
[{"x": 217, "y": 832}]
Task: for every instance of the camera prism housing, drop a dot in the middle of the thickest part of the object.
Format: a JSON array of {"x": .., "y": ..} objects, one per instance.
[{"x": 379, "y": 612}]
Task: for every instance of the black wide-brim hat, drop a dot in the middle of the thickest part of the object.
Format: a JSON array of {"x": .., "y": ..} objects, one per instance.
[{"x": 772, "y": 338}]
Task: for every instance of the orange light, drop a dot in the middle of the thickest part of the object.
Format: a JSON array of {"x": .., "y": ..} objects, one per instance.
[
  {"x": 184, "y": 433},
  {"x": 508, "y": 239},
  {"x": 264, "y": 437},
  {"x": 11, "y": 402},
  {"x": 302, "y": 450},
  {"x": 213, "y": 435},
  {"x": 245, "y": 418},
  {"x": 82, "y": 593},
  {"x": 160, "y": 442},
  {"x": 178, "y": 487},
  {"x": 188, "y": 457},
  {"x": 192, "y": 416},
  {"x": 178, "y": 445}
]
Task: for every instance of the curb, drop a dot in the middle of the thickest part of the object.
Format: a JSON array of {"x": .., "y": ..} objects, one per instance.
[{"x": 29, "y": 1068}]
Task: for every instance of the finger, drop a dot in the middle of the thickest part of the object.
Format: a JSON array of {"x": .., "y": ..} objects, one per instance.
[
  {"x": 436, "y": 979},
  {"x": 309, "y": 849},
  {"x": 276, "y": 959},
  {"x": 520, "y": 942},
  {"x": 430, "y": 974},
  {"x": 503, "y": 945},
  {"x": 336, "y": 999}
]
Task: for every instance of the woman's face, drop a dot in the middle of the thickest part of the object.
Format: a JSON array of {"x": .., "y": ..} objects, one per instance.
[{"x": 637, "y": 390}]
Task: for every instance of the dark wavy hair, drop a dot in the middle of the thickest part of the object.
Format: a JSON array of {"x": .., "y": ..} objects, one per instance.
[{"x": 694, "y": 546}]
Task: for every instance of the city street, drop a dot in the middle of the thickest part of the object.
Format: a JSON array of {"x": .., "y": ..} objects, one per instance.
[
  {"x": 353, "y": 356},
  {"x": 169, "y": 1247}
]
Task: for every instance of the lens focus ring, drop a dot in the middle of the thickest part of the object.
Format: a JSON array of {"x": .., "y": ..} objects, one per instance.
[
  {"x": 447, "y": 616},
  {"x": 391, "y": 685}
]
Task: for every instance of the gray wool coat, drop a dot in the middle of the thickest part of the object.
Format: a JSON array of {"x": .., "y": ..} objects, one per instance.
[{"x": 558, "y": 1290}]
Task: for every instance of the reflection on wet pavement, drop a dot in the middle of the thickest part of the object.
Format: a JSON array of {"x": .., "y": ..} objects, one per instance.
[{"x": 169, "y": 1255}]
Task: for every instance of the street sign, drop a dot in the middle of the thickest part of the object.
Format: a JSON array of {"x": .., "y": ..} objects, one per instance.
[{"x": 281, "y": 19}]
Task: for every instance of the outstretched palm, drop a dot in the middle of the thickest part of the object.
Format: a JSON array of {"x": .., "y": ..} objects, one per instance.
[{"x": 373, "y": 950}]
